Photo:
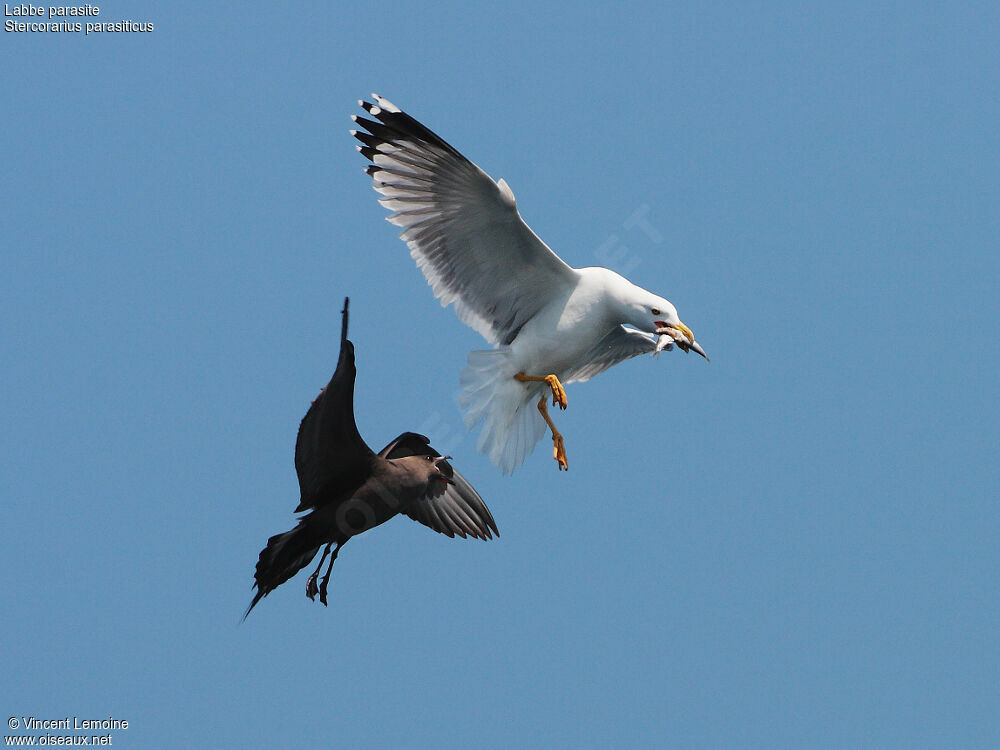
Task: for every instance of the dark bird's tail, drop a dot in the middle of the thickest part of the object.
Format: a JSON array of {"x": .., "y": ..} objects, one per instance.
[{"x": 284, "y": 556}]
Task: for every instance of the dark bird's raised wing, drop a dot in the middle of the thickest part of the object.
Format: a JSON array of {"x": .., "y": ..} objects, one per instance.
[
  {"x": 462, "y": 228},
  {"x": 458, "y": 509},
  {"x": 331, "y": 458}
]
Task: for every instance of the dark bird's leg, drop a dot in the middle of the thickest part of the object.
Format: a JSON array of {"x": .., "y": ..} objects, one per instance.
[
  {"x": 558, "y": 448},
  {"x": 558, "y": 392},
  {"x": 311, "y": 589},
  {"x": 326, "y": 578}
]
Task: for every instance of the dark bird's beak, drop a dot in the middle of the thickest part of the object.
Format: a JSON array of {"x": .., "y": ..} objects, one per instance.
[{"x": 445, "y": 472}]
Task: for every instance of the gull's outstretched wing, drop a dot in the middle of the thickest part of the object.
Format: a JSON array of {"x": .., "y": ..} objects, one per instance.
[
  {"x": 331, "y": 458},
  {"x": 462, "y": 228},
  {"x": 458, "y": 509},
  {"x": 620, "y": 344}
]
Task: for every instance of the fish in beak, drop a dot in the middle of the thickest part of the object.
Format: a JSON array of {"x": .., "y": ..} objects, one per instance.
[{"x": 680, "y": 335}]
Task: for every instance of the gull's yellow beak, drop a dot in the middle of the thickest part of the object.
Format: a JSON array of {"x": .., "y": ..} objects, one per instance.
[
  {"x": 690, "y": 344},
  {"x": 686, "y": 331}
]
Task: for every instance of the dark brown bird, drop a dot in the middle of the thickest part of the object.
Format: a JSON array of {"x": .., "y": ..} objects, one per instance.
[{"x": 349, "y": 489}]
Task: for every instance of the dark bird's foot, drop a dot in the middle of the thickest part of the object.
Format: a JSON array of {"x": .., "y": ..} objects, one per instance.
[
  {"x": 311, "y": 589},
  {"x": 322, "y": 588}
]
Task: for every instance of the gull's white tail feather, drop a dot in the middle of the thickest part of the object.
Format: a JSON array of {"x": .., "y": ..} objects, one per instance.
[{"x": 511, "y": 423}]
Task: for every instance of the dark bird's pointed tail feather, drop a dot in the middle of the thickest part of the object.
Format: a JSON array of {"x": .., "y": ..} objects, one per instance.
[
  {"x": 284, "y": 556},
  {"x": 343, "y": 321}
]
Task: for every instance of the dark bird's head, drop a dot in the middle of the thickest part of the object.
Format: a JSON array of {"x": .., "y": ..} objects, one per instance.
[{"x": 428, "y": 471}]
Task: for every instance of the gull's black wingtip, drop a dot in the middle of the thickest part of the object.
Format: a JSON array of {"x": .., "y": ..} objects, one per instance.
[{"x": 343, "y": 324}]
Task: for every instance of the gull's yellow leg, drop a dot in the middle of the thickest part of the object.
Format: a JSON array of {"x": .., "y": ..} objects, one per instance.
[
  {"x": 558, "y": 392},
  {"x": 558, "y": 448}
]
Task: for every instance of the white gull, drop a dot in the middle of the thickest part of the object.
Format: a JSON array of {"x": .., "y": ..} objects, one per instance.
[{"x": 550, "y": 323}]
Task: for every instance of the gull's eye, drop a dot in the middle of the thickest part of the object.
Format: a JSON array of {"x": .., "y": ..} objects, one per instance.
[
  {"x": 655, "y": 311},
  {"x": 429, "y": 458}
]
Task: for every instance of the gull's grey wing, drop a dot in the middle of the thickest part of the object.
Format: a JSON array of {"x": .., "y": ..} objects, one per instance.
[
  {"x": 618, "y": 345},
  {"x": 462, "y": 228},
  {"x": 449, "y": 508},
  {"x": 331, "y": 458}
]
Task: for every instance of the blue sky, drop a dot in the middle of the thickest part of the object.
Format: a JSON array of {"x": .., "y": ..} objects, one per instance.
[{"x": 791, "y": 546}]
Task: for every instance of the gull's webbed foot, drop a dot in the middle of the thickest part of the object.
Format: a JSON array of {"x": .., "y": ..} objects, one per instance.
[
  {"x": 559, "y": 452},
  {"x": 558, "y": 392},
  {"x": 558, "y": 447}
]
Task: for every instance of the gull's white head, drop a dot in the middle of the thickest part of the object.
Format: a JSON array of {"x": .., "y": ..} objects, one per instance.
[
  {"x": 647, "y": 312},
  {"x": 651, "y": 313}
]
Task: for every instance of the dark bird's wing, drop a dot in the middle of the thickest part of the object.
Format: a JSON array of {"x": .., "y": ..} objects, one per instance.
[
  {"x": 462, "y": 228},
  {"x": 457, "y": 509},
  {"x": 620, "y": 344},
  {"x": 331, "y": 458}
]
